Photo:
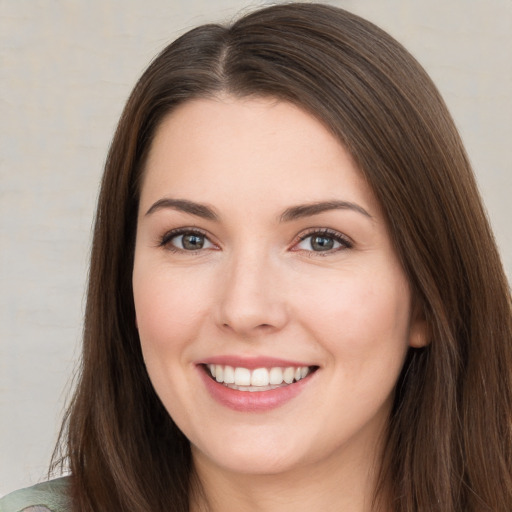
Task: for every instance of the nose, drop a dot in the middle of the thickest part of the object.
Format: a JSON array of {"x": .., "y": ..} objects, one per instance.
[{"x": 253, "y": 300}]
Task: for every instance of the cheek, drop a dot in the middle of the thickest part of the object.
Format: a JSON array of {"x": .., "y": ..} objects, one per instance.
[
  {"x": 168, "y": 308},
  {"x": 363, "y": 318}
]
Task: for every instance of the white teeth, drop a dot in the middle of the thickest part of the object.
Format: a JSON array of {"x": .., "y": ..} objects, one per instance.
[
  {"x": 242, "y": 377},
  {"x": 288, "y": 375},
  {"x": 276, "y": 376},
  {"x": 229, "y": 375},
  {"x": 259, "y": 379}
]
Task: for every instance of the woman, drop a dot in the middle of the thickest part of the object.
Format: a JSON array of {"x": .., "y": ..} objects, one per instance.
[{"x": 295, "y": 299}]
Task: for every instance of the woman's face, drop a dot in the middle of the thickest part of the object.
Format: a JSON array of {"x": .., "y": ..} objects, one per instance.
[{"x": 263, "y": 257}]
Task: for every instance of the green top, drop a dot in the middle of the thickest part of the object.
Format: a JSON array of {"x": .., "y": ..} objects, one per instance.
[{"x": 49, "y": 496}]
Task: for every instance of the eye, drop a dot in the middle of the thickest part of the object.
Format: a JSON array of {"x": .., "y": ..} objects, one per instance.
[
  {"x": 324, "y": 240},
  {"x": 186, "y": 240}
]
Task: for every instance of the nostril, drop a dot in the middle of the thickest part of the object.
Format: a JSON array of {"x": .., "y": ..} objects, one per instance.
[{"x": 258, "y": 326}]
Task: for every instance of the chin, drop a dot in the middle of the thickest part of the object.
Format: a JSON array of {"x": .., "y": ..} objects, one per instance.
[{"x": 249, "y": 460}]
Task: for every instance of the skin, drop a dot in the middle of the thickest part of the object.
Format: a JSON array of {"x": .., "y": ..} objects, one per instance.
[{"x": 257, "y": 289}]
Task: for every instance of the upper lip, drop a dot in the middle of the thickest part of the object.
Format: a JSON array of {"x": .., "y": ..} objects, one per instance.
[{"x": 251, "y": 362}]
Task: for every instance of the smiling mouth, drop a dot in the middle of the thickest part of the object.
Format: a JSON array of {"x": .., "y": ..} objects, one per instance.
[{"x": 257, "y": 379}]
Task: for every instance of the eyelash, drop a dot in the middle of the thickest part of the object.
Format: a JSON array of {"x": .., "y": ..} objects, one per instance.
[
  {"x": 343, "y": 240},
  {"x": 165, "y": 240}
]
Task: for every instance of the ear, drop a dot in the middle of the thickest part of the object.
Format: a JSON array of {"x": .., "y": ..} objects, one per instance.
[{"x": 418, "y": 330}]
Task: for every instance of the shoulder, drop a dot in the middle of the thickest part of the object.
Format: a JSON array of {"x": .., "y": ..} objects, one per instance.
[{"x": 52, "y": 496}]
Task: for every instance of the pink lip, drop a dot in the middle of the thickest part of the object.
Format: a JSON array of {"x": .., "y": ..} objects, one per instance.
[
  {"x": 255, "y": 401},
  {"x": 251, "y": 362}
]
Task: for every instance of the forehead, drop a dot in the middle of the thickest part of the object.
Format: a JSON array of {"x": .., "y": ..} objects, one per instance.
[{"x": 230, "y": 148}]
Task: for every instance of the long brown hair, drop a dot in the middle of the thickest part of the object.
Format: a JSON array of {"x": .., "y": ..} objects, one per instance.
[{"x": 449, "y": 442}]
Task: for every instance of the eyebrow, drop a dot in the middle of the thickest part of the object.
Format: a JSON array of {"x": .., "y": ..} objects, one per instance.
[
  {"x": 307, "y": 210},
  {"x": 200, "y": 210},
  {"x": 290, "y": 214}
]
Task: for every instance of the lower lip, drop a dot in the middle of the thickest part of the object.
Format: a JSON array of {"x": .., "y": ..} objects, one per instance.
[{"x": 252, "y": 401}]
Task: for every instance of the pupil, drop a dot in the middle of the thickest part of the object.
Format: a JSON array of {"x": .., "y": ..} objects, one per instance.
[
  {"x": 322, "y": 243},
  {"x": 193, "y": 242}
]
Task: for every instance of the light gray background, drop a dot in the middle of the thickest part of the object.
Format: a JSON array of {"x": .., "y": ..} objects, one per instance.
[{"x": 66, "y": 69}]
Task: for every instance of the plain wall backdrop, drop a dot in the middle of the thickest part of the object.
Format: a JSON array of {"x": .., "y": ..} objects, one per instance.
[{"x": 66, "y": 69}]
